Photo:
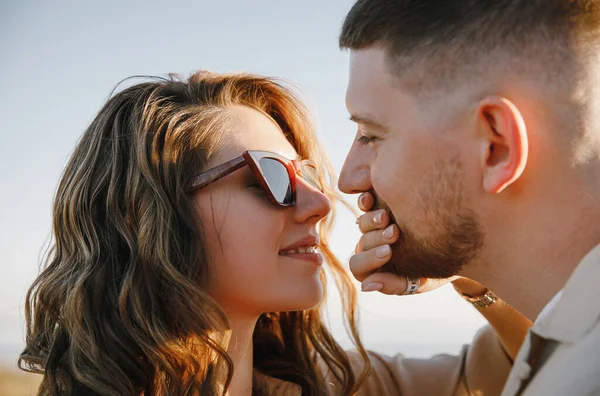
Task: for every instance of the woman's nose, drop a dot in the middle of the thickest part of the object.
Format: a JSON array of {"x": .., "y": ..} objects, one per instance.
[{"x": 311, "y": 204}]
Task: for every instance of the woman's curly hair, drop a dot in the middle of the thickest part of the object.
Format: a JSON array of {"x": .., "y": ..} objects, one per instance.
[{"x": 121, "y": 306}]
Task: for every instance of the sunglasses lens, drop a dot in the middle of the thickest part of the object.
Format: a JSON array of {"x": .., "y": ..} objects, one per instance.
[{"x": 277, "y": 178}]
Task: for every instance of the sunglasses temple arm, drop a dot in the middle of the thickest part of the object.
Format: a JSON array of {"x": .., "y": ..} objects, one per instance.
[{"x": 216, "y": 173}]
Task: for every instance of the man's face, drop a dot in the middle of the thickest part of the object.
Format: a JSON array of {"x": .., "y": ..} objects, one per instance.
[{"x": 411, "y": 153}]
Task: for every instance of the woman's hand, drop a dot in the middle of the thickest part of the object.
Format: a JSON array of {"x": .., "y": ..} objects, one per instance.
[
  {"x": 373, "y": 251},
  {"x": 510, "y": 325}
]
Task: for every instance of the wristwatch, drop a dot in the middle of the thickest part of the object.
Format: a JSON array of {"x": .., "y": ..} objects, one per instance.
[{"x": 482, "y": 301}]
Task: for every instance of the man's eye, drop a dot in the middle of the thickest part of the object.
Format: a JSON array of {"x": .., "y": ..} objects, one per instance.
[{"x": 366, "y": 139}]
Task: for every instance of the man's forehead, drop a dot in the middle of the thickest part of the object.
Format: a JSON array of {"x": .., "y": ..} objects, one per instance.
[
  {"x": 374, "y": 56},
  {"x": 371, "y": 89},
  {"x": 368, "y": 73}
]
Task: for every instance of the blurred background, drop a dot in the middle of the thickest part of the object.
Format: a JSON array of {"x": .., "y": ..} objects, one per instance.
[{"x": 60, "y": 61}]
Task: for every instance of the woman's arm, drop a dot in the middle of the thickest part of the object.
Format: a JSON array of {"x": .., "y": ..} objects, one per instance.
[{"x": 510, "y": 325}]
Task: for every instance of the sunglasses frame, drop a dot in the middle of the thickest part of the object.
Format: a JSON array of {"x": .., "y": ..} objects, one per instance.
[{"x": 252, "y": 159}]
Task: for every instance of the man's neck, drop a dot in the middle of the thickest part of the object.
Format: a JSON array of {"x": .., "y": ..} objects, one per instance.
[
  {"x": 531, "y": 266},
  {"x": 529, "y": 290}
]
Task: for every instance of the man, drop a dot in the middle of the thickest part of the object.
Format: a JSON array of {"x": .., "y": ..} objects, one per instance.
[{"x": 479, "y": 126}]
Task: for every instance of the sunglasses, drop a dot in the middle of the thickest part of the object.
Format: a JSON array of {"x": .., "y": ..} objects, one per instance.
[{"x": 275, "y": 174}]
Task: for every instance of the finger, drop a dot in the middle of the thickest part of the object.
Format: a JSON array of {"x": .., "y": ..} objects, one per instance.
[
  {"x": 389, "y": 283},
  {"x": 372, "y": 239},
  {"x": 366, "y": 201},
  {"x": 384, "y": 282},
  {"x": 363, "y": 263},
  {"x": 375, "y": 220}
]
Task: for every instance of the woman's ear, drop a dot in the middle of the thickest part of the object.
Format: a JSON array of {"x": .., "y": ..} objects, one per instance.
[{"x": 504, "y": 143}]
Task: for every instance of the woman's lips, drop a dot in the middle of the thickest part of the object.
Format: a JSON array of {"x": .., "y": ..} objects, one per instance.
[{"x": 304, "y": 254}]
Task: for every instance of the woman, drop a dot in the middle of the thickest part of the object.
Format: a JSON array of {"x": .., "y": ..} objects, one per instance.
[{"x": 185, "y": 231}]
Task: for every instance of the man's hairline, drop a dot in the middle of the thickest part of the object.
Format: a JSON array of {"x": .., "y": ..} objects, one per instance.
[
  {"x": 472, "y": 89},
  {"x": 518, "y": 75}
]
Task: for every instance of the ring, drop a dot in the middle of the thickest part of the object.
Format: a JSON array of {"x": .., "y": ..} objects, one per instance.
[{"x": 413, "y": 286}]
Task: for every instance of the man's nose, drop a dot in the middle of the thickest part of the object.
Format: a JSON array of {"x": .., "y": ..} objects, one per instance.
[{"x": 356, "y": 173}]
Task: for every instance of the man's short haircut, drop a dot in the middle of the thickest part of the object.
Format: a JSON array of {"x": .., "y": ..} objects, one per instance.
[{"x": 437, "y": 41}]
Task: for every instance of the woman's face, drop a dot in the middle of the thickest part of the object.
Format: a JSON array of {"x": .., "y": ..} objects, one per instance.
[{"x": 248, "y": 237}]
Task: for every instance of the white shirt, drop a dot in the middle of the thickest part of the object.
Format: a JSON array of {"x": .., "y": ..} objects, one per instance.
[
  {"x": 571, "y": 323},
  {"x": 549, "y": 307}
]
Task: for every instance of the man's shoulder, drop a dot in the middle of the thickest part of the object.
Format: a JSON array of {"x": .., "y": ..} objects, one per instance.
[
  {"x": 573, "y": 368},
  {"x": 572, "y": 328},
  {"x": 577, "y": 311}
]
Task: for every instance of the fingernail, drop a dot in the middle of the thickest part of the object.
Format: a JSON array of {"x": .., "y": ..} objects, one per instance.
[
  {"x": 357, "y": 220},
  {"x": 377, "y": 218},
  {"x": 361, "y": 200},
  {"x": 388, "y": 233},
  {"x": 373, "y": 286},
  {"x": 382, "y": 251}
]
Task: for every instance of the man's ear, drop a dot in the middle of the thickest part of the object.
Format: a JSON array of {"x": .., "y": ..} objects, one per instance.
[{"x": 504, "y": 143}]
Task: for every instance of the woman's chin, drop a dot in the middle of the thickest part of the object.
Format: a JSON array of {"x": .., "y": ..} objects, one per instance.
[{"x": 299, "y": 299}]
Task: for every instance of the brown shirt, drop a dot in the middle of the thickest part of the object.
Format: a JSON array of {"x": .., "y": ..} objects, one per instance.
[{"x": 480, "y": 369}]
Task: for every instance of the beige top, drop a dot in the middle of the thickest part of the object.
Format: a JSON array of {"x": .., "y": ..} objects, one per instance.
[
  {"x": 569, "y": 362},
  {"x": 480, "y": 369}
]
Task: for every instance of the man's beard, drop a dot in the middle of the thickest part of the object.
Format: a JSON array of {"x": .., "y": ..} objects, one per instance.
[{"x": 456, "y": 241}]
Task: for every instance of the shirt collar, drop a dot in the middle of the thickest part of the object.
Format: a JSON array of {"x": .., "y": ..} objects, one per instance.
[
  {"x": 577, "y": 310},
  {"x": 550, "y": 306}
]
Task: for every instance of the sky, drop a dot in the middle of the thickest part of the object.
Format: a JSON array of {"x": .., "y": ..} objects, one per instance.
[{"x": 59, "y": 61}]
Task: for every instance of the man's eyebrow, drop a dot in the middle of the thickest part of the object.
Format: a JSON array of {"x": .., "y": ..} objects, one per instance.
[{"x": 365, "y": 120}]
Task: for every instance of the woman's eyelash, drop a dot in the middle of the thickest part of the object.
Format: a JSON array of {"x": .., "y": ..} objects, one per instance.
[
  {"x": 256, "y": 187},
  {"x": 254, "y": 184}
]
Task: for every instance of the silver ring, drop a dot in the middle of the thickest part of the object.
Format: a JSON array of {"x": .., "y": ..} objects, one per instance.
[{"x": 413, "y": 286}]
